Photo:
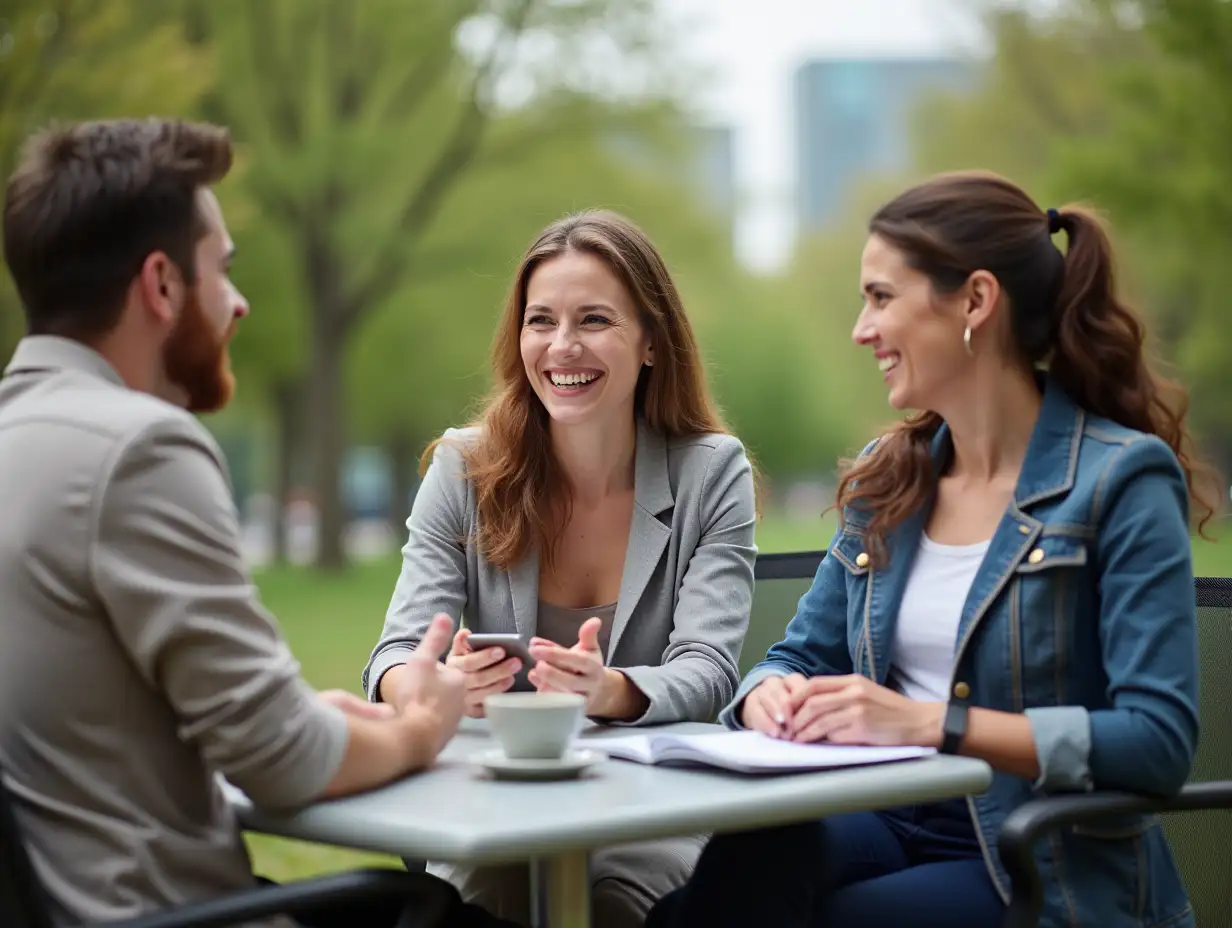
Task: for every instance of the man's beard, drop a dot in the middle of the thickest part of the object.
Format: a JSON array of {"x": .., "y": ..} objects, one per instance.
[{"x": 195, "y": 359}]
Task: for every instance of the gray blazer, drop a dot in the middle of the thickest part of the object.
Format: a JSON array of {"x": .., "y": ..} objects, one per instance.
[{"x": 685, "y": 594}]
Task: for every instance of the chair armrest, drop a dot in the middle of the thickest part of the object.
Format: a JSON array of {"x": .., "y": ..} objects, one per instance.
[
  {"x": 1031, "y": 821},
  {"x": 299, "y": 897}
]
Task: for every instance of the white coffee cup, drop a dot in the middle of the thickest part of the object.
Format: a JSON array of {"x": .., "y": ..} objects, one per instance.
[{"x": 538, "y": 726}]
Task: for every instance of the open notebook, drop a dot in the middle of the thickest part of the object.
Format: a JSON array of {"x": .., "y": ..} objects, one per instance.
[{"x": 747, "y": 752}]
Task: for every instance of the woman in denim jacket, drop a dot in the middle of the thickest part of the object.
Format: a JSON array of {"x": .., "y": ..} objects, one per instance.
[{"x": 1011, "y": 580}]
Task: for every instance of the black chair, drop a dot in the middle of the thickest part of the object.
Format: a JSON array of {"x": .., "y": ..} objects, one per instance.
[
  {"x": 24, "y": 903},
  {"x": 1197, "y": 821}
]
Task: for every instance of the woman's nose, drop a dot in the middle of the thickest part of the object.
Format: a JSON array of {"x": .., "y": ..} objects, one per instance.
[{"x": 863, "y": 333}]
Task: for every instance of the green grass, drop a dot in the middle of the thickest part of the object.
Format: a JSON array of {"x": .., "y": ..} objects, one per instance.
[{"x": 332, "y": 622}]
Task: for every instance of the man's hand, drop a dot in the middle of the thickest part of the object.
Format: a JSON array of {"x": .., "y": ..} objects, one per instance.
[{"x": 430, "y": 692}]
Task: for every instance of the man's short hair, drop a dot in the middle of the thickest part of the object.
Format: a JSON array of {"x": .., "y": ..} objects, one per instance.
[{"x": 88, "y": 202}]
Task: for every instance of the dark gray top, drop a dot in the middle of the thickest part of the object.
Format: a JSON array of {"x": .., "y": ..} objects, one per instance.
[{"x": 561, "y": 623}]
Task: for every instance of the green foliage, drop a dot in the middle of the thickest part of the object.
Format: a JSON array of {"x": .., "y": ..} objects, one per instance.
[
  {"x": 85, "y": 59},
  {"x": 1164, "y": 170}
]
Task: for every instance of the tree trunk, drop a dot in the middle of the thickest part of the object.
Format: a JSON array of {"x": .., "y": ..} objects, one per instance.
[
  {"x": 328, "y": 406},
  {"x": 329, "y": 447},
  {"x": 401, "y": 451},
  {"x": 288, "y": 402}
]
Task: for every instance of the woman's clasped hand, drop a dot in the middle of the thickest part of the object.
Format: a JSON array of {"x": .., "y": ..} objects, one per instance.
[{"x": 843, "y": 709}]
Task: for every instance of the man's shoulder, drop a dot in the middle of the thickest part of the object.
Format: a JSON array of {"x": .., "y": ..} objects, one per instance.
[
  {"x": 94, "y": 420},
  {"x": 118, "y": 415}
]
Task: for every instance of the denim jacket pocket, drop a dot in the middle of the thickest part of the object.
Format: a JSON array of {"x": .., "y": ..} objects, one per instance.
[
  {"x": 1043, "y": 600},
  {"x": 1053, "y": 551}
]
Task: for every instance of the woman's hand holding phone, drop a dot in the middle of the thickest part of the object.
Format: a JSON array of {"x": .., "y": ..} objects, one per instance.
[{"x": 487, "y": 670}]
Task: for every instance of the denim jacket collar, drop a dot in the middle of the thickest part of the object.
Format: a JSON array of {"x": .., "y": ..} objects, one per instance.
[
  {"x": 1048, "y": 470},
  {"x": 1051, "y": 460}
]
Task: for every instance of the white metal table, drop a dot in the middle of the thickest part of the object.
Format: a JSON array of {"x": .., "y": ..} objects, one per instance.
[{"x": 457, "y": 812}]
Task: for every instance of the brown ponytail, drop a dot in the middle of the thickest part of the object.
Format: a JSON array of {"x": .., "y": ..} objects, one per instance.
[
  {"x": 1100, "y": 357},
  {"x": 1064, "y": 315}
]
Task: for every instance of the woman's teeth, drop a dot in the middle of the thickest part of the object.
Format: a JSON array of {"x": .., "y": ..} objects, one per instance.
[{"x": 572, "y": 380}]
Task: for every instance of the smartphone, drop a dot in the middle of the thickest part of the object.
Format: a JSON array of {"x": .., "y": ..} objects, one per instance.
[{"x": 513, "y": 646}]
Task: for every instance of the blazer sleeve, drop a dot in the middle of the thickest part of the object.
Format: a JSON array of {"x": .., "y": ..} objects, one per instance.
[
  {"x": 433, "y": 577},
  {"x": 167, "y": 564},
  {"x": 699, "y": 671}
]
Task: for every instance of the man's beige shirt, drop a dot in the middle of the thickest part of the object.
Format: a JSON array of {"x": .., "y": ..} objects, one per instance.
[{"x": 136, "y": 662}]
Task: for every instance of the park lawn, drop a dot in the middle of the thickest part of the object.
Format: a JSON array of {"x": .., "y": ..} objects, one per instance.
[{"x": 332, "y": 622}]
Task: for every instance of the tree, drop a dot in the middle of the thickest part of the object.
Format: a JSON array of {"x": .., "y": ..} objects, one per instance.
[
  {"x": 362, "y": 120},
  {"x": 73, "y": 59},
  {"x": 1164, "y": 169}
]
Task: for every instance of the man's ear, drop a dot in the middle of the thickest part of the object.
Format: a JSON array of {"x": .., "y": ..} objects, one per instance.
[{"x": 161, "y": 287}]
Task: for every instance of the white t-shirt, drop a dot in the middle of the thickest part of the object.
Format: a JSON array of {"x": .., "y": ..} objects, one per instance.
[{"x": 922, "y": 658}]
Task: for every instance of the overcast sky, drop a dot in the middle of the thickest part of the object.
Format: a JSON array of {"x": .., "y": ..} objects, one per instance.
[{"x": 757, "y": 45}]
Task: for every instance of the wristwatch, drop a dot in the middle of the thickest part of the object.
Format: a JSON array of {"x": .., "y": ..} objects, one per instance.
[{"x": 954, "y": 728}]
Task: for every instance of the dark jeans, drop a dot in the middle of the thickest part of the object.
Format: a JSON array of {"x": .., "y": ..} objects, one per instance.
[
  {"x": 438, "y": 904},
  {"x": 913, "y": 867}
]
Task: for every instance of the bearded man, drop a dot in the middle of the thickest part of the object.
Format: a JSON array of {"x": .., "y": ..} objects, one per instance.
[{"x": 136, "y": 662}]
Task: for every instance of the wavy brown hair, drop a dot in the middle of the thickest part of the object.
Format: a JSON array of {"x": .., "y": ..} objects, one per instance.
[
  {"x": 1065, "y": 314},
  {"x": 518, "y": 484}
]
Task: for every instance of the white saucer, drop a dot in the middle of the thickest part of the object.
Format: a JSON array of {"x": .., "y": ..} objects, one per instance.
[{"x": 568, "y": 767}]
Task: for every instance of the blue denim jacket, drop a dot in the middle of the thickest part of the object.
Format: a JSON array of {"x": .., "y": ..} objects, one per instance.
[{"x": 1081, "y": 616}]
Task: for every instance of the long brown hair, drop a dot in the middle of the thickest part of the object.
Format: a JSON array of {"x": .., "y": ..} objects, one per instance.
[
  {"x": 518, "y": 484},
  {"x": 1064, "y": 313}
]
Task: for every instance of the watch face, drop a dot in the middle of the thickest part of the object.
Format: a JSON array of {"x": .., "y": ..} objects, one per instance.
[{"x": 954, "y": 728}]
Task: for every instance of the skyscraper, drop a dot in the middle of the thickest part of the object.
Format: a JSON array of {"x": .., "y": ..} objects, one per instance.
[{"x": 853, "y": 116}]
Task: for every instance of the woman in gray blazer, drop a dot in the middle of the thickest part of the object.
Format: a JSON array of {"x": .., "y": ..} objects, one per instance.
[{"x": 598, "y": 508}]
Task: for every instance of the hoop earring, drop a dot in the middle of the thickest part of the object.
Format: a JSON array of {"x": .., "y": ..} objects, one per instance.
[{"x": 967, "y": 342}]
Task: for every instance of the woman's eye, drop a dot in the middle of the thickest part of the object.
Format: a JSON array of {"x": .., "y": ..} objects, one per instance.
[
  {"x": 538, "y": 319},
  {"x": 594, "y": 319}
]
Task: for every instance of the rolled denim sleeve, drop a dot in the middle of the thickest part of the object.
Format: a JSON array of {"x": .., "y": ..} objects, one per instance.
[
  {"x": 815, "y": 643},
  {"x": 1062, "y": 737}
]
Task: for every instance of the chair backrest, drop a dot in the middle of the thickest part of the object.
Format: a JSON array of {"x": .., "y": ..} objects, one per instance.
[
  {"x": 22, "y": 901},
  {"x": 1198, "y": 839},
  {"x": 781, "y": 580}
]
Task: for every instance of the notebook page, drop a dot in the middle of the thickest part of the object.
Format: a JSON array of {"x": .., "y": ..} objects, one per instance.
[
  {"x": 626, "y": 747},
  {"x": 752, "y": 751}
]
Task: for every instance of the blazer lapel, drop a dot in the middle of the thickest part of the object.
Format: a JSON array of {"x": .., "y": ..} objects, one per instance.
[
  {"x": 524, "y": 590},
  {"x": 648, "y": 537}
]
